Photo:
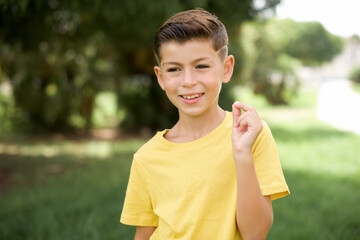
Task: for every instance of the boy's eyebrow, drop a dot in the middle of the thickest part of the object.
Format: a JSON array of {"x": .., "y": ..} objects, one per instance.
[
  {"x": 200, "y": 59},
  {"x": 171, "y": 63}
]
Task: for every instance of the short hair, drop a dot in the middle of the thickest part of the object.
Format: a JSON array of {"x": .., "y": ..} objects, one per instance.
[{"x": 192, "y": 24}]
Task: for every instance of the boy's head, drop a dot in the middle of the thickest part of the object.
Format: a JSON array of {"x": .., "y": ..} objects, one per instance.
[{"x": 189, "y": 25}]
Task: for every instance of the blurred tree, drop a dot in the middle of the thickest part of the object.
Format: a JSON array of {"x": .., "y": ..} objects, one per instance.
[
  {"x": 56, "y": 63},
  {"x": 309, "y": 42},
  {"x": 354, "y": 74},
  {"x": 273, "y": 50},
  {"x": 59, "y": 54}
]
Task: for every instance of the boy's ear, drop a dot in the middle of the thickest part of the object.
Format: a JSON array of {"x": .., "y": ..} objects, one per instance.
[
  {"x": 229, "y": 63},
  {"x": 158, "y": 74}
]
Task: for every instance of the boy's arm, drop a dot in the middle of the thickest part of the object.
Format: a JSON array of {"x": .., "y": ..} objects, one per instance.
[
  {"x": 143, "y": 233},
  {"x": 254, "y": 214}
]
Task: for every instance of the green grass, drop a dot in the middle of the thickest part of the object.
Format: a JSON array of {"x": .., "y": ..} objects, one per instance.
[
  {"x": 71, "y": 189},
  {"x": 322, "y": 168},
  {"x": 69, "y": 192}
]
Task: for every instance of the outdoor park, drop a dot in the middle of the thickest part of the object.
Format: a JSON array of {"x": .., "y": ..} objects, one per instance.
[{"x": 78, "y": 97}]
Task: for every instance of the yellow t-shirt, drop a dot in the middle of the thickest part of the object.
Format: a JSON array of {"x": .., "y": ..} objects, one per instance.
[{"x": 188, "y": 190}]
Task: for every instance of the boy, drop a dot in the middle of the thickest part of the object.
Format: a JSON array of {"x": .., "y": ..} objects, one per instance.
[{"x": 214, "y": 173}]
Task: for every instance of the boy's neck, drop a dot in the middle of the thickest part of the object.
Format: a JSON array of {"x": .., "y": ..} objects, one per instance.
[{"x": 191, "y": 128}]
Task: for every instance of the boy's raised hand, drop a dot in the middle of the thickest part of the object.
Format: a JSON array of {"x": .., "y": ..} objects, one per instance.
[{"x": 246, "y": 127}]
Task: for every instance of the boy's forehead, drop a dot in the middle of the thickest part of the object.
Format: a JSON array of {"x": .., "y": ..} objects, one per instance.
[{"x": 190, "y": 48}]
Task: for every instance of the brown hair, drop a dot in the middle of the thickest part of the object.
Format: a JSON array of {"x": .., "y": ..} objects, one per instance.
[{"x": 192, "y": 24}]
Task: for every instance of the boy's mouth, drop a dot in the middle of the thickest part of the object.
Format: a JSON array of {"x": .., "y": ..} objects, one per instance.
[{"x": 193, "y": 96}]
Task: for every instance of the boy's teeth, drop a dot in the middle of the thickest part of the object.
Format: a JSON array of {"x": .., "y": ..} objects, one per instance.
[{"x": 191, "y": 97}]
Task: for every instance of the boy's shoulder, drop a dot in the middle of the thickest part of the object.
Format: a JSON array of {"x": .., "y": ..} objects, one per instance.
[{"x": 152, "y": 145}]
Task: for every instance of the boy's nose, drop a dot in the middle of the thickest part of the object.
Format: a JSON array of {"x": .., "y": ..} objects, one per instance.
[{"x": 189, "y": 79}]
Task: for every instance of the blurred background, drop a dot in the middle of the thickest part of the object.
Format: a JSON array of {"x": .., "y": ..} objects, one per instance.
[{"x": 78, "y": 97}]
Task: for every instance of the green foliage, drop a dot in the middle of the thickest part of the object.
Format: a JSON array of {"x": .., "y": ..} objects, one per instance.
[
  {"x": 354, "y": 75},
  {"x": 309, "y": 42},
  {"x": 12, "y": 120},
  {"x": 106, "y": 114},
  {"x": 146, "y": 104},
  {"x": 274, "y": 48},
  {"x": 85, "y": 47},
  {"x": 356, "y": 88},
  {"x": 267, "y": 70},
  {"x": 55, "y": 73}
]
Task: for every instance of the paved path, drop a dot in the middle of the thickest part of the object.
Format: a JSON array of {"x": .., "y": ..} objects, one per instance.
[{"x": 339, "y": 105}]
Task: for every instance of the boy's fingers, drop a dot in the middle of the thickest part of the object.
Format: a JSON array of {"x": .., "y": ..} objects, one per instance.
[
  {"x": 236, "y": 114},
  {"x": 243, "y": 106},
  {"x": 236, "y": 110}
]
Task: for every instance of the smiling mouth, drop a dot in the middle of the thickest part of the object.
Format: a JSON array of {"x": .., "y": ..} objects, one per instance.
[{"x": 189, "y": 97}]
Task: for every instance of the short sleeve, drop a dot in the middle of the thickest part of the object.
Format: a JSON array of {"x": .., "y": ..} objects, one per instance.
[
  {"x": 137, "y": 209},
  {"x": 267, "y": 165}
]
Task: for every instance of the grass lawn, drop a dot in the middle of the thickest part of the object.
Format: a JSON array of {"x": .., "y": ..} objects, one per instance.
[
  {"x": 64, "y": 190},
  {"x": 74, "y": 189}
]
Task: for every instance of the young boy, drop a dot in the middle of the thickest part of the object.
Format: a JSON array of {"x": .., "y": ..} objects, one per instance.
[{"x": 214, "y": 173}]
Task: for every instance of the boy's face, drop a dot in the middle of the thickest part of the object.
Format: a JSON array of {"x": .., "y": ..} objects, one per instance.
[{"x": 191, "y": 74}]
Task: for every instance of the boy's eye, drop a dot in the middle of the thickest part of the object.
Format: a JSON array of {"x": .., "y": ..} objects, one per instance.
[
  {"x": 173, "y": 70},
  {"x": 202, "y": 66}
]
